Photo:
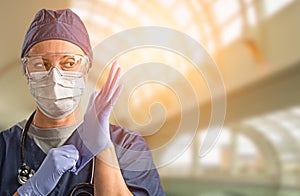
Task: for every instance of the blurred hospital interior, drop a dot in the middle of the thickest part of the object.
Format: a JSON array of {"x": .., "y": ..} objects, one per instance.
[{"x": 246, "y": 96}]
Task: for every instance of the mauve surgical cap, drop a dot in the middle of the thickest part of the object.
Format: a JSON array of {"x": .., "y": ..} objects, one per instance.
[{"x": 57, "y": 25}]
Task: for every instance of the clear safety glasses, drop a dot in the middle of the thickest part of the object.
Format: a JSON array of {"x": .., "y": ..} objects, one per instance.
[{"x": 44, "y": 63}]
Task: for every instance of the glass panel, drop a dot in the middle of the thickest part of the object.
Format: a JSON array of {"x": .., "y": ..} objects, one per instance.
[
  {"x": 250, "y": 161},
  {"x": 271, "y": 6},
  {"x": 182, "y": 14},
  {"x": 224, "y": 10},
  {"x": 251, "y": 15},
  {"x": 218, "y": 157},
  {"x": 232, "y": 31}
]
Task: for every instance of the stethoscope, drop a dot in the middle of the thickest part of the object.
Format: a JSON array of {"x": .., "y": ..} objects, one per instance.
[{"x": 25, "y": 172}]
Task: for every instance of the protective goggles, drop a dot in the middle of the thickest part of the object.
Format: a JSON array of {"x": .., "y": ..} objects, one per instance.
[{"x": 46, "y": 62}]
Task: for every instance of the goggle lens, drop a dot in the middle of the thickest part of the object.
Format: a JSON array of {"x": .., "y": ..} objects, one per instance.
[{"x": 65, "y": 62}]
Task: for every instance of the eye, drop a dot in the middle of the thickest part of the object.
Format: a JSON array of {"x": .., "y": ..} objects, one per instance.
[
  {"x": 36, "y": 64},
  {"x": 69, "y": 63}
]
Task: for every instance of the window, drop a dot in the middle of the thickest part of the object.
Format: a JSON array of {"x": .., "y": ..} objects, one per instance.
[{"x": 271, "y": 7}]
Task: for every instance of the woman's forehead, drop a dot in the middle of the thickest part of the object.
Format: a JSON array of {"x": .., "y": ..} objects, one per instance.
[{"x": 54, "y": 47}]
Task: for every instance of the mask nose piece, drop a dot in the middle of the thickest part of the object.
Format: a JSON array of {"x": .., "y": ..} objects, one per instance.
[
  {"x": 55, "y": 73},
  {"x": 56, "y": 69}
]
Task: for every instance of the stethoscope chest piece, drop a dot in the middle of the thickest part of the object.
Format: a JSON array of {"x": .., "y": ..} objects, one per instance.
[{"x": 24, "y": 173}]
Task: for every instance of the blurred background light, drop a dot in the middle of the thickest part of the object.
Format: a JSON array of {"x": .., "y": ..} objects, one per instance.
[{"x": 255, "y": 44}]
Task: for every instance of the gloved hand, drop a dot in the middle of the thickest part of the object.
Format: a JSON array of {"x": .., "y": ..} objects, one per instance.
[
  {"x": 57, "y": 162},
  {"x": 94, "y": 131}
]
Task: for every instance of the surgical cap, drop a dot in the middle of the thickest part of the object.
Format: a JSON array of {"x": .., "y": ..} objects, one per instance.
[{"x": 57, "y": 25}]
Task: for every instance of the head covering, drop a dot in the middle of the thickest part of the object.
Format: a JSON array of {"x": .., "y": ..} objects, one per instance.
[{"x": 61, "y": 25}]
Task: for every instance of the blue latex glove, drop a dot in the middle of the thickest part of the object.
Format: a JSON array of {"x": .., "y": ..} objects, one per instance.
[
  {"x": 94, "y": 131},
  {"x": 57, "y": 162}
]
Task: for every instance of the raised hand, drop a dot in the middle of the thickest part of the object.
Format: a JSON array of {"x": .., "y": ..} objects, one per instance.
[{"x": 95, "y": 128}]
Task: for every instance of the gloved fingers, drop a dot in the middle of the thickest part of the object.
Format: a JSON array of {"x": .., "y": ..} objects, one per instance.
[
  {"x": 110, "y": 78},
  {"x": 69, "y": 156},
  {"x": 105, "y": 97},
  {"x": 92, "y": 100},
  {"x": 69, "y": 165},
  {"x": 74, "y": 168},
  {"x": 66, "y": 152},
  {"x": 110, "y": 86},
  {"x": 72, "y": 154},
  {"x": 109, "y": 104},
  {"x": 100, "y": 104},
  {"x": 116, "y": 94},
  {"x": 106, "y": 107},
  {"x": 115, "y": 83},
  {"x": 61, "y": 159},
  {"x": 114, "y": 98}
]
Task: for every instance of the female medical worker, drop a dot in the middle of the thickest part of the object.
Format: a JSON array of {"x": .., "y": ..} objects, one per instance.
[{"x": 59, "y": 151}]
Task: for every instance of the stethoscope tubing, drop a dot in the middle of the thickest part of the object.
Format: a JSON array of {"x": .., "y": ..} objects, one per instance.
[{"x": 77, "y": 190}]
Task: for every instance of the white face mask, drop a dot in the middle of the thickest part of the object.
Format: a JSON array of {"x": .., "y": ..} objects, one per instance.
[{"x": 58, "y": 94}]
